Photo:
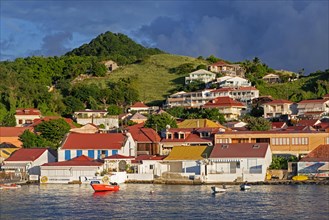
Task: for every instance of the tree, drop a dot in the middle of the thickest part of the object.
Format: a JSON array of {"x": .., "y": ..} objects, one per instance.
[
  {"x": 212, "y": 59},
  {"x": 183, "y": 68},
  {"x": 257, "y": 124},
  {"x": 72, "y": 104},
  {"x": 281, "y": 163},
  {"x": 160, "y": 122},
  {"x": 31, "y": 140},
  {"x": 178, "y": 112},
  {"x": 9, "y": 120},
  {"x": 53, "y": 130},
  {"x": 214, "y": 115},
  {"x": 114, "y": 110}
]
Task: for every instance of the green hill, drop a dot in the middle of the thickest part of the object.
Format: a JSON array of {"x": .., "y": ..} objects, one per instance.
[
  {"x": 117, "y": 47},
  {"x": 152, "y": 78}
]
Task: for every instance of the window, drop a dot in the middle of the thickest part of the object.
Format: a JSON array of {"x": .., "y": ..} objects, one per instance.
[
  {"x": 299, "y": 141},
  {"x": 79, "y": 153},
  {"x": 67, "y": 154},
  {"x": 91, "y": 154},
  {"x": 151, "y": 167},
  {"x": 114, "y": 152}
]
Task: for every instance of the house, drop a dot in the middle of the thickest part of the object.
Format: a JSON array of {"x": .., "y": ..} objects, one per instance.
[
  {"x": 279, "y": 108},
  {"x": 272, "y": 78},
  {"x": 87, "y": 128},
  {"x": 6, "y": 149},
  {"x": 231, "y": 109},
  {"x": 147, "y": 140},
  {"x": 199, "y": 123},
  {"x": 38, "y": 121},
  {"x": 110, "y": 65},
  {"x": 290, "y": 142},
  {"x": 138, "y": 118},
  {"x": 96, "y": 117},
  {"x": 227, "y": 69},
  {"x": 182, "y": 137},
  {"x": 96, "y": 146},
  {"x": 27, "y": 161},
  {"x": 316, "y": 163},
  {"x": 141, "y": 108},
  {"x": 200, "y": 75},
  {"x": 188, "y": 99},
  {"x": 236, "y": 125},
  {"x": 80, "y": 168},
  {"x": 238, "y": 162},
  {"x": 232, "y": 82},
  {"x": 26, "y": 116},
  {"x": 315, "y": 123},
  {"x": 313, "y": 109},
  {"x": 186, "y": 162},
  {"x": 11, "y": 134},
  {"x": 146, "y": 167},
  {"x": 241, "y": 94}
]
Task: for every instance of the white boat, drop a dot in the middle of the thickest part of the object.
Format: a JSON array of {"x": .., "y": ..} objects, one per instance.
[
  {"x": 216, "y": 189},
  {"x": 9, "y": 186},
  {"x": 245, "y": 186}
]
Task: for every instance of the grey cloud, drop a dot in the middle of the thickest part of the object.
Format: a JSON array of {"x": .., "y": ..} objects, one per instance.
[{"x": 54, "y": 44}]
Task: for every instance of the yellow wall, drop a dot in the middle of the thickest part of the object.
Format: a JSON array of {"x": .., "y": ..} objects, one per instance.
[{"x": 314, "y": 139}]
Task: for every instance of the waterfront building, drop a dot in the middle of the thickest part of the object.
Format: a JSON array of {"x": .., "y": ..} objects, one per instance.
[
  {"x": 291, "y": 142},
  {"x": 27, "y": 161},
  {"x": 81, "y": 168},
  {"x": 316, "y": 163},
  {"x": 96, "y": 146},
  {"x": 238, "y": 162},
  {"x": 147, "y": 140}
]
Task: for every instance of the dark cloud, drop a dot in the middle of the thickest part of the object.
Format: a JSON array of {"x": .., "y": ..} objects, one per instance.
[
  {"x": 54, "y": 44},
  {"x": 284, "y": 34}
]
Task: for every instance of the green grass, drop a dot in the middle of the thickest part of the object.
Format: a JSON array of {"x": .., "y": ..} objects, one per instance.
[{"x": 153, "y": 80}]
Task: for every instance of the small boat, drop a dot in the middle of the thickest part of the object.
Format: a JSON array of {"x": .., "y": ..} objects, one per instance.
[
  {"x": 300, "y": 178},
  {"x": 101, "y": 187},
  {"x": 245, "y": 186},
  {"x": 216, "y": 189},
  {"x": 9, "y": 186}
]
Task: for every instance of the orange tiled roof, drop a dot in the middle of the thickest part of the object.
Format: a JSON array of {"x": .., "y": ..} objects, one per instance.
[
  {"x": 321, "y": 153},
  {"x": 26, "y": 154}
]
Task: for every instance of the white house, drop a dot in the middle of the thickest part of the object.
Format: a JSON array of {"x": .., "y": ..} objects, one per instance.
[
  {"x": 200, "y": 75},
  {"x": 235, "y": 82},
  {"x": 80, "y": 168},
  {"x": 96, "y": 117},
  {"x": 96, "y": 146},
  {"x": 27, "y": 161},
  {"x": 26, "y": 116},
  {"x": 238, "y": 162}
]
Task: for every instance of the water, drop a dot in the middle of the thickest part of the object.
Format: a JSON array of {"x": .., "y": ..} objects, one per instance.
[{"x": 134, "y": 201}]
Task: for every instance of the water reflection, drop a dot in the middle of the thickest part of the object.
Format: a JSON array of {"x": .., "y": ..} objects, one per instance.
[{"x": 135, "y": 201}]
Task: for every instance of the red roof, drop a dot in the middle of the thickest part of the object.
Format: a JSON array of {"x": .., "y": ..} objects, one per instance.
[
  {"x": 308, "y": 122},
  {"x": 313, "y": 101},
  {"x": 223, "y": 102},
  {"x": 12, "y": 131},
  {"x": 139, "y": 105},
  {"x": 49, "y": 118},
  {"x": 278, "y": 124},
  {"x": 144, "y": 135},
  {"x": 77, "y": 161},
  {"x": 27, "y": 111},
  {"x": 94, "y": 141},
  {"x": 239, "y": 150},
  {"x": 219, "y": 63},
  {"x": 118, "y": 156},
  {"x": 321, "y": 153},
  {"x": 26, "y": 154},
  {"x": 278, "y": 101}
]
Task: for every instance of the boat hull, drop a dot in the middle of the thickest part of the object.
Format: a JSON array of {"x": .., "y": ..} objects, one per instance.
[
  {"x": 9, "y": 186},
  {"x": 245, "y": 187},
  {"x": 104, "y": 187},
  {"x": 217, "y": 189}
]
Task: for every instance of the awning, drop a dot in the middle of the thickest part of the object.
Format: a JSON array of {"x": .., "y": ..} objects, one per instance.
[
  {"x": 324, "y": 167},
  {"x": 224, "y": 160},
  {"x": 14, "y": 166}
]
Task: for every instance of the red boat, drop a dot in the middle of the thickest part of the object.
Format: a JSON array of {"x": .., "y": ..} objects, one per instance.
[{"x": 100, "y": 187}]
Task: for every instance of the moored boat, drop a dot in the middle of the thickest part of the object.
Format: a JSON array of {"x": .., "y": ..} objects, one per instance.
[
  {"x": 101, "y": 187},
  {"x": 9, "y": 186},
  {"x": 245, "y": 186},
  {"x": 216, "y": 189}
]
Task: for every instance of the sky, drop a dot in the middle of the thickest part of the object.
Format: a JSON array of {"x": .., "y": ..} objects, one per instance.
[{"x": 289, "y": 35}]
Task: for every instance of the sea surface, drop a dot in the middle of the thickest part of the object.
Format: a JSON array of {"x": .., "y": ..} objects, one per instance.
[{"x": 147, "y": 201}]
